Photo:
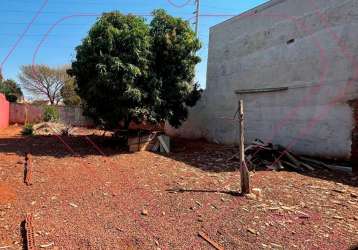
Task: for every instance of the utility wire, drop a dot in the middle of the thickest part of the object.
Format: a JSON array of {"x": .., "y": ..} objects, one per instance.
[
  {"x": 197, "y": 13},
  {"x": 103, "y": 2},
  {"x": 45, "y": 24}
]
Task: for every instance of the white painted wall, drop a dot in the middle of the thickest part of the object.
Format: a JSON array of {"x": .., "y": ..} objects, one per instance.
[{"x": 250, "y": 51}]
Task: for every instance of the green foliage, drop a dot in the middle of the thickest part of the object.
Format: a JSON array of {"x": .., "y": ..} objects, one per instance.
[
  {"x": 174, "y": 47},
  {"x": 127, "y": 70},
  {"x": 28, "y": 129},
  {"x": 109, "y": 65},
  {"x": 50, "y": 114},
  {"x": 69, "y": 95},
  {"x": 11, "y": 90},
  {"x": 11, "y": 98}
]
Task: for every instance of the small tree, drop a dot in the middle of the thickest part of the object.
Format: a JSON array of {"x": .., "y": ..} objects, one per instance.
[
  {"x": 43, "y": 81},
  {"x": 50, "y": 114},
  {"x": 69, "y": 95},
  {"x": 11, "y": 90}
]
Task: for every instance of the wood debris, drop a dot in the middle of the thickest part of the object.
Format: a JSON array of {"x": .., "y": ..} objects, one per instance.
[
  {"x": 253, "y": 231},
  {"x": 153, "y": 141},
  {"x": 277, "y": 157},
  {"x": 73, "y": 205},
  {"x": 144, "y": 212},
  {"x": 47, "y": 245},
  {"x": 213, "y": 243}
]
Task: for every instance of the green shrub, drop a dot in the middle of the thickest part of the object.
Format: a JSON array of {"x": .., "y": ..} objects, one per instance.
[
  {"x": 28, "y": 129},
  {"x": 11, "y": 97},
  {"x": 50, "y": 114}
]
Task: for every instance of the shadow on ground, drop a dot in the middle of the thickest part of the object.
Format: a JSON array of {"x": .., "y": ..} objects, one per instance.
[
  {"x": 200, "y": 154},
  {"x": 216, "y": 158},
  {"x": 61, "y": 146}
]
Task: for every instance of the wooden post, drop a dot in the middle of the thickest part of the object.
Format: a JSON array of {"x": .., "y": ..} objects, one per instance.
[{"x": 244, "y": 172}]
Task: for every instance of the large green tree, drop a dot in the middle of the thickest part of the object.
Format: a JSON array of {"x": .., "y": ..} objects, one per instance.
[
  {"x": 174, "y": 46},
  {"x": 110, "y": 64},
  {"x": 127, "y": 70}
]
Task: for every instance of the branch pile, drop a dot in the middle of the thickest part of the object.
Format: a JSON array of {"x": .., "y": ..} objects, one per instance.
[
  {"x": 51, "y": 128},
  {"x": 277, "y": 157}
]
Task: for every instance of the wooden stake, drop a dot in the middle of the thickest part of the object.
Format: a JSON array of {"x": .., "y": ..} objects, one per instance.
[
  {"x": 28, "y": 169},
  {"x": 30, "y": 237},
  {"x": 244, "y": 172}
]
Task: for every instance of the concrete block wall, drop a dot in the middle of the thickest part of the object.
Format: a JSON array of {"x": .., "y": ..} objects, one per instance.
[
  {"x": 283, "y": 43},
  {"x": 22, "y": 113}
]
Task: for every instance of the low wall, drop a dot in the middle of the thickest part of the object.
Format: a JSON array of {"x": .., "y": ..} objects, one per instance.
[
  {"x": 28, "y": 113},
  {"x": 4, "y": 112}
]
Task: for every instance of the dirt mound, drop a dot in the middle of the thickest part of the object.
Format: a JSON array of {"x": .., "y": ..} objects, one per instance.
[{"x": 6, "y": 194}]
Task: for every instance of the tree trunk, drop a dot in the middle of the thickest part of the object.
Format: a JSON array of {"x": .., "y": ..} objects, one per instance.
[
  {"x": 244, "y": 172},
  {"x": 51, "y": 100}
]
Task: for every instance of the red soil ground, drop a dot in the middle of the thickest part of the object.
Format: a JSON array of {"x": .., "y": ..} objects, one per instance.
[
  {"x": 6, "y": 194},
  {"x": 123, "y": 201}
]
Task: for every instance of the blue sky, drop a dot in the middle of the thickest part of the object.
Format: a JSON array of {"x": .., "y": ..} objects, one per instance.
[{"x": 58, "y": 48}]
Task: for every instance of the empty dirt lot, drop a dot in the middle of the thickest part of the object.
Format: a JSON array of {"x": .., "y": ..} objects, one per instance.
[{"x": 128, "y": 201}]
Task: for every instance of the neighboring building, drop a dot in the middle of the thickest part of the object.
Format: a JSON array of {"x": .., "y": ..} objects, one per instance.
[{"x": 291, "y": 63}]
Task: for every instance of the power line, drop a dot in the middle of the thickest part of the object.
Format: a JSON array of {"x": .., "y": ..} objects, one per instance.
[
  {"x": 64, "y": 34},
  {"x": 186, "y": 3},
  {"x": 74, "y": 2},
  {"x": 44, "y": 47},
  {"x": 197, "y": 2},
  {"x": 45, "y": 24}
]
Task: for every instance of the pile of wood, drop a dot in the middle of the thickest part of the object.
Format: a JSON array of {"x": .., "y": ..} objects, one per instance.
[
  {"x": 155, "y": 142},
  {"x": 276, "y": 157}
]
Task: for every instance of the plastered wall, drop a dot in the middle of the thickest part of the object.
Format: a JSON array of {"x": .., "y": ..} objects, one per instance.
[{"x": 283, "y": 43}]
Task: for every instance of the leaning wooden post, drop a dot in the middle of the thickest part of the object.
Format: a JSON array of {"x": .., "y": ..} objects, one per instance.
[{"x": 244, "y": 171}]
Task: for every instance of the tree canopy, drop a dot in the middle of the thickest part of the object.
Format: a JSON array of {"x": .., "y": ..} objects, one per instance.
[
  {"x": 10, "y": 89},
  {"x": 128, "y": 70},
  {"x": 44, "y": 82},
  {"x": 69, "y": 94},
  {"x": 109, "y": 66},
  {"x": 174, "y": 46}
]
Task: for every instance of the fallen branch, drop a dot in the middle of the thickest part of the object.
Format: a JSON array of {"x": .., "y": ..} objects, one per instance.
[
  {"x": 213, "y": 243},
  {"x": 182, "y": 190},
  {"x": 47, "y": 245}
]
